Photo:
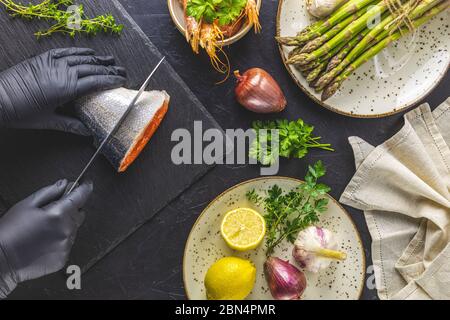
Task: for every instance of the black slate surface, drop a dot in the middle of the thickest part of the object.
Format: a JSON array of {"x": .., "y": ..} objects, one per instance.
[
  {"x": 121, "y": 202},
  {"x": 148, "y": 265}
]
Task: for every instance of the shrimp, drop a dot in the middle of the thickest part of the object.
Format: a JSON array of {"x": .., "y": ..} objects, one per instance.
[
  {"x": 193, "y": 28},
  {"x": 210, "y": 38},
  {"x": 252, "y": 12}
]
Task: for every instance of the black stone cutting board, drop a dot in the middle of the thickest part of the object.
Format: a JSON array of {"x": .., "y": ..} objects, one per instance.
[{"x": 121, "y": 203}]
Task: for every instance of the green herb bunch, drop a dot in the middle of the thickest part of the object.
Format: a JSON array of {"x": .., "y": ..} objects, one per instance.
[
  {"x": 223, "y": 11},
  {"x": 295, "y": 140},
  {"x": 56, "y": 11},
  {"x": 286, "y": 214}
]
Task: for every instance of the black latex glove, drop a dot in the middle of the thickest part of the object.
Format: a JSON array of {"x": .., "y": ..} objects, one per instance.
[
  {"x": 37, "y": 234},
  {"x": 32, "y": 90}
]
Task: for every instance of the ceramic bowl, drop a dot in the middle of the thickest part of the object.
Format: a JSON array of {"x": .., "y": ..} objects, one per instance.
[
  {"x": 342, "y": 280},
  {"x": 177, "y": 14}
]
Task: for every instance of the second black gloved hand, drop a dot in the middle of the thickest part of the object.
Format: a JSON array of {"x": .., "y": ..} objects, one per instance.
[
  {"x": 32, "y": 90},
  {"x": 37, "y": 234}
]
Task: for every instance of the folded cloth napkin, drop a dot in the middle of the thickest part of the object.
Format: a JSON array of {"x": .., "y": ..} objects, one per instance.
[{"x": 403, "y": 186}]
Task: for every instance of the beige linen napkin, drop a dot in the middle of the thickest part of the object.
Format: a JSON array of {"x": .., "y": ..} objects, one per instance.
[{"x": 403, "y": 188}]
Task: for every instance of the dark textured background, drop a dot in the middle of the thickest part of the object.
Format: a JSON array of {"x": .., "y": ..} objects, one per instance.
[
  {"x": 148, "y": 265},
  {"x": 121, "y": 203}
]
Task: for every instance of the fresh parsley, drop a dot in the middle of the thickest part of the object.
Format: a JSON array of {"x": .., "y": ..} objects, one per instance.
[
  {"x": 286, "y": 214},
  {"x": 295, "y": 140},
  {"x": 223, "y": 11}
]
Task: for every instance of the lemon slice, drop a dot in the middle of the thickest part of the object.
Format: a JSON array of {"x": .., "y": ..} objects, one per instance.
[{"x": 243, "y": 229}]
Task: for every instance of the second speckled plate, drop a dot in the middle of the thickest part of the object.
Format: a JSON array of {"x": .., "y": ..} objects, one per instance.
[
  {"x": 343, "y": 280},
  {"x": 397, "y": 78}
]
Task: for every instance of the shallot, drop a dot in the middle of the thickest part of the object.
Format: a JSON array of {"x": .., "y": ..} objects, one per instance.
[
  {"x": 285, "y": 281},
  {"x": 257, "y": 91}
]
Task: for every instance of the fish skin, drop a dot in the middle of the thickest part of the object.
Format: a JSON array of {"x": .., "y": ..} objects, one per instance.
[{"x": 100, "y": 112}]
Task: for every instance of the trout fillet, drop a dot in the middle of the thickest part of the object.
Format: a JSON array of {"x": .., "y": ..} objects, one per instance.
[{"x": 101, "y": 111}]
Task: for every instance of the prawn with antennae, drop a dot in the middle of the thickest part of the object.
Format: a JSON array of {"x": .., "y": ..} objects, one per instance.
[
  {"x": 252, "y": 13},
  {"x": 209, "y": 23},
  {"x": 193, "y": 29},
  {"x": 210, "y": 38}
]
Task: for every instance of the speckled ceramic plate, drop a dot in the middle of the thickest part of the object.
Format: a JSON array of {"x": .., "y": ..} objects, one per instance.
[
  {"x": 394, "y": 80},
  {"x": 343, "y": 280}
]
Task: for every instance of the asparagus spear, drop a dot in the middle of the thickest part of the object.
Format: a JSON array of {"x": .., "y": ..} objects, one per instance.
[
  {"x": 322, "y": 26},
  {"x": 335, "y": 60},
  {"x": 362, "y": 45},
  {"x": 318, "y": 62},
  {"x": 313, "y": 83},
  {"x": 317, "y": 42},
  {"x": 320, "y": 82},
  {"x": 343, "y": 12},
  {"x": 374, "y": 50},
  {"x": 310, "y": 27},
  {"x": 354, "y": 28},
  {"x": 296, "y": 58},
  {"x": 309, "y": 66},
  {"x": 294, "y": 52},
  {"x": 423, "y": 7},
  {"x": 290, "y": 41},
  {"x": 316, "y": 71}
]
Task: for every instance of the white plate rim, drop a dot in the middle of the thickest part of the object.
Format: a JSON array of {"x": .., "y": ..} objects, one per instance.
[
  {"x": 349, "y": 114},
  {"x": 199, "y": 218}
]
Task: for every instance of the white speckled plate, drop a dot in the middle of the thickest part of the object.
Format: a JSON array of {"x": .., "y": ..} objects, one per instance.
[
  {"x": 343, "y": 280},
  {"x": 369, "y": 92}
]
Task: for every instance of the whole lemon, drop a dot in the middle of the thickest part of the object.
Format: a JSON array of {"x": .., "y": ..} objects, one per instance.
[{"x": 230, "y": 278}]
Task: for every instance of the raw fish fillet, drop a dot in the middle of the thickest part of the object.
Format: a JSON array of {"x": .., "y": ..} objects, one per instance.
[{"x": 101, "y": 111}]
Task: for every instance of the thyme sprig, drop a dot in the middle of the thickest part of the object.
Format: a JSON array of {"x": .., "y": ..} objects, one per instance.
[{"x": 56, "y": 11}]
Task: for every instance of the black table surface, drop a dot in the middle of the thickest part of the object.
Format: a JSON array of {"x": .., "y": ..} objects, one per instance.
[{"x": 148, "y": 265}]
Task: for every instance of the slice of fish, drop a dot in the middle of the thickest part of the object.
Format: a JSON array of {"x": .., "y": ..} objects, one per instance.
[{"x": 101, "y": 111}]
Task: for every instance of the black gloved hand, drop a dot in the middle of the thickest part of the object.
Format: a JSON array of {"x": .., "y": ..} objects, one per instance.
[
  {"x": 32, "y": 90},
  {"x": 37, "y": 234}
]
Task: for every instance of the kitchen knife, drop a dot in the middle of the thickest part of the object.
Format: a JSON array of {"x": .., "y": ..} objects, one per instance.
[{"x": 114, "y": 130}]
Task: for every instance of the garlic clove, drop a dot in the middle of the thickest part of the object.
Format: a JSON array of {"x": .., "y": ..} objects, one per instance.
[{"x": 323, "y": 8}]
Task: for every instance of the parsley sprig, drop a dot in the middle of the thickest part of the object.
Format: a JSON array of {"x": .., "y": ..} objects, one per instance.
[
  {"x": 295, "y": 140},
  {"x": 56, "y": 12},
  {"x": 223, "y": 11},
  {"x": 286, "y": 214}
]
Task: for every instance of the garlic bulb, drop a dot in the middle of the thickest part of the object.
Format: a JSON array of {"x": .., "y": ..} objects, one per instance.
[
  {"x": 315, "y": 249},
  {"x": 322, "y": 8}
]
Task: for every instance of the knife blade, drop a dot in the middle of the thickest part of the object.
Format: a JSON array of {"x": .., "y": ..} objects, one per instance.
[{"x": 115, "y": 128}]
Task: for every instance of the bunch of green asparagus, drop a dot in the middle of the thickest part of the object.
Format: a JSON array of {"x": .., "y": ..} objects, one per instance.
[{"x": 330, "y": 50}]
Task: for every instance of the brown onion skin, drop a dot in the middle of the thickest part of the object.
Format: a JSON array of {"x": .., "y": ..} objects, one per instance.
[
  {"x": 286, "y": 282},
  {"x": 257, "y": 91}
]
